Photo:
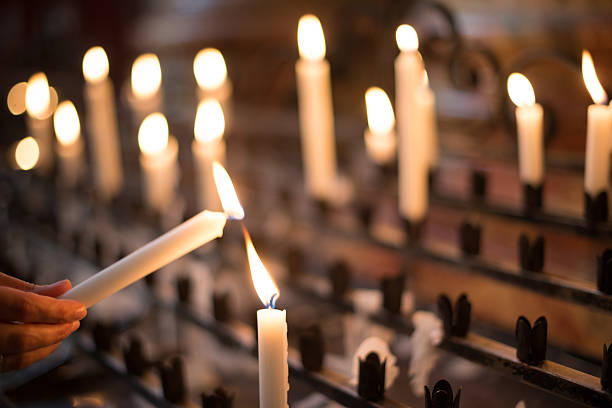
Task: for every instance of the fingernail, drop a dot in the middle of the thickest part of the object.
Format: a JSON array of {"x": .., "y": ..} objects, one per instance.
[
  {"x": 80, "y": 313},
  {"x": 75, "y": 325}
]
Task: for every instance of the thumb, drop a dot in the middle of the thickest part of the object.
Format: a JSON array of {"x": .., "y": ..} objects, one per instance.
[{"x": 53, "y": 290}]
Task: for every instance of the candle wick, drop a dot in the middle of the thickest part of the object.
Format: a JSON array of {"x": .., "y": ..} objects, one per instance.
[{"x": 272, "y": 303}]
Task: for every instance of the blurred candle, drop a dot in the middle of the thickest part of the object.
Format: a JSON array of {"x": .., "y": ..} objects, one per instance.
[
  {"x": 379, "y": 137},
  {"x": 27, "y": 153},
  {"x": 208, "y": 146},
  {"x": 37, "y": 103},
  {"x": 70, "y": 145},
  {"x": 210, "y": 73},
  {"x": 599, "y": 130},
  {"x": 413, "y": 162},
  {"x": 146, "y": 95},
  {"x": 529, "y": 128},
  {"x": 102, "y": 124},
  {"x": 158, "y": 160},
  {"x": 271, "y": 335},
  {"x": 315, "y": 109},
  {"x": 426, "y": 108}
]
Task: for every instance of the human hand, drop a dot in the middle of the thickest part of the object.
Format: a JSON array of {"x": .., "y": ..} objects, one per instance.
[{"x": 32, "y": 322}]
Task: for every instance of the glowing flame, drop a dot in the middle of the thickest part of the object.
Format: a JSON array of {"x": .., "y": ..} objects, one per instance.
[
  {"x": 209, "y": 68},
  {"x": 311, "y": 41},
  {"x": 153, "y": 134},
  {"x": 407, "y": 38},
  {"x": 38, "y": 96},
  {"x": 590, "y": 79},
  {"x": 95, "y": 65},
  {"x": 209, "y": 122},
  {"x": 27, "y": 153},
  {"x": 520, "y": 90},
  {"x": 227, "y": 193},
  {"x": 146, "y": 76},
  {"x": 262, "y": 281},
  {"x": 15, "y": 100},
  {"x": 66, "y": 123},
  {"x": 379, "y": 111}
]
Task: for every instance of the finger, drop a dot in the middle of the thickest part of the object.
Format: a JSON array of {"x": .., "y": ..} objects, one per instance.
[
  {"x": 9, "y": 281},
  {"x": 28, "y": 307},
  {"x": 54, "y": 290},
  {"x": 21, "y": 338},
  {"x": 19, "y": 361}
]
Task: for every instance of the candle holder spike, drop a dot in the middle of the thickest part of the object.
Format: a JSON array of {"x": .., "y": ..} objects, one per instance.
[
  {"x": 222, "y": 310},
  {"x": 104, "y": 336},
  {"x": 312, "y": 348},
  {"x": 340, "y": 276},
  {"x": 596, "y": 208},
  {"x": 184, "y": 289},
  {"x": 531, "y": 347},
  {"x": 442, "y": 396},
  {"x": 457, "y": 322},
  {"x": 371, "y": 385},
  {"x": 172, "y": 379},
  {"x": 531, "y": 255},
  {"x": 220, "y": 398},
  {"x": 133, "y": 356},
  {"x": 393, "y": 290},
  {"x": 606, "y": 369},
  {"x": 413, "y": 230},
  {"x": 532, "y": 198},
  {"x": 469, "y": 238},
  {"x": 604, "y": 272}
]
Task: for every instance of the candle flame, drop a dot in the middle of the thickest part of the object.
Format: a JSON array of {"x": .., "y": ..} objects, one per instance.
[
  {"x": 209, "y": 122},
  {"x": 27, "y": 153},
  {"x": 590, "y": 79},
  {"x": 311, "y": 41},
  {"x": 262, "y": 281},
  {"x": 425, "y": 78},
  {"x": 38, "y": 96},
  {"x": 379, "y": 111},
  {"x": 153, "y": 134},
  {"x": 520, "y": 90},
  {"x": 95, "y": 65},
  {"x": 227, "y": 193},
  {"x": 406, "y": 38},
  {"x": 15, "y": 100},
  {"x": 209, "y": 68},
  {"x": 146, "y": 76},
  {"x": 66, "y": 123}
]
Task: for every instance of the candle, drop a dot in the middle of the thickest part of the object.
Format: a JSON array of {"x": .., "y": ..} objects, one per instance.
[
  {"x": 599, "y": 128},
  {"x": 271, "y": 335},
  {"x": 529, "y": 130},
  {"x": 210, "y": 73},
  {"x": 208, "y": 146},
  {"x": 102, "y": 123},
  {"x": 193, "y": 233},
  {"x": 379, "y": 137},
  {"x": 146, "y": 95},
  {"x": 413, "y": 167},
  {"x": 315, "y": 109},
  {"x": 27, "y": 153},
  {"x": 38, "y": 102},
  {"x": 70, "y": 145},
  {"x": 426, "y": 107},
  {"x": 158, "y": 160}
]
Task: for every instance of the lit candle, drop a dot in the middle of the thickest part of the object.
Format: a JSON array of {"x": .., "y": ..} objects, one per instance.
[
  {"x": 379, "y": 137},
  {"x": 271, "y": 335},
  {"x": 427, "y": 128},
  {"x": 158, "y": 160},
  {"x": 315, "y": 109},
  {"x": 146, "y": 95},
  {"x": 413, "y": 167},
  {"x": 529, "y": 129},
  {"x": 27, "y": 153},
  {"x": 70, "y": 145},
  {"x": 102, "y": 123},
  {"x": 208, "y": 146},
  {"x": 37, "y": 103},
  {"x": 193, "y": 233},
  {"x": 210, "y": 73},
  {"x": 599, "y": 128}
]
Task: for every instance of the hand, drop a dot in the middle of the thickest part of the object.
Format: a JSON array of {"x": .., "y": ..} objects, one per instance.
[{"x": 32, "y": 322}]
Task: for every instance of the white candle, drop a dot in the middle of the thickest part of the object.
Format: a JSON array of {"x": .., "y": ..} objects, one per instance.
[
  {"x": 210, "y": 72},
  {"x": 599, "y": 130},
  {"x": 102, "y": 123},
  {"x": 145, "y": 95},
  {"x": 158, "y": 160},
  {"x": 412, "y": 159},
  {"x": 271, "y": 335},
  {"x": 38, "y": 102},
  {"x": 193, "y": 233},
  {"x": 529, "y": 129},
  {"x": 208, "y": 147},
  {"x": 379, "y": 137},
  {"x": 70, "y": 145},
  {"x": 315, "y": 109},
  {"x": 426, "y": 108}
]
